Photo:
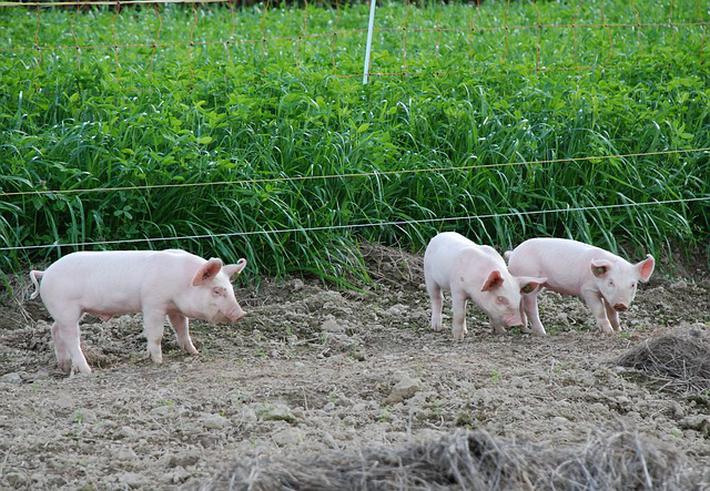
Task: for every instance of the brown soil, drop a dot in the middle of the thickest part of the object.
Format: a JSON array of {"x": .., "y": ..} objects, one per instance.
[{"x": 313, "y": 369}]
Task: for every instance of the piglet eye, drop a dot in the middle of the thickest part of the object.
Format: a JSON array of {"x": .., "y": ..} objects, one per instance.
[
  {"x": 501, "y": 300},
  {"x": 611, "y": 283},
  {"x": 217, "y": 291}
]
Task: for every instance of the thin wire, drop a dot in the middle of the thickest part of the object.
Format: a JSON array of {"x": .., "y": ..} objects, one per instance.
[
  {"x": 355, "y": 226},
  {"x": 345, "y": 32},
  {"x": 101, "y": 3},
  {"x": 419, "y": 170}
]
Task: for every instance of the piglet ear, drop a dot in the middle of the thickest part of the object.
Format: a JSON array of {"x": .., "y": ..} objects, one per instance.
[
  {"x": 207, "y": 271},
  {"x": 493, "y": 281},
  {"x": 530, "y": 284},
  {"x": 600, "y": 267},
  {"x": 232, "y": 269},
  {"x": 645, "y": 268}
]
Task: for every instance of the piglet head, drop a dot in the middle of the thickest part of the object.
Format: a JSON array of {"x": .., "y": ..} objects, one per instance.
[
  {"x": 216, "y": 302},
  {"x": 617, "y": 280},
  {"x": 502, "y": 295}
]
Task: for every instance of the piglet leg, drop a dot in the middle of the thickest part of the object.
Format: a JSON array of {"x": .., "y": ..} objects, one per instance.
[
  {"x": 459, "y": 315},
  {"x": 153, "y": 324},
  {"x": 596, "y": 305},
  {"x": 182, "y": 331},
  {"x": 532, "y": 313},
  {"x": 613, "y": 316}
]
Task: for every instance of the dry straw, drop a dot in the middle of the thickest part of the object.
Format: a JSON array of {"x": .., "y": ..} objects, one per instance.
[
  {"x": 475, "y": 461},
  {"x": 679, "y": 362}
]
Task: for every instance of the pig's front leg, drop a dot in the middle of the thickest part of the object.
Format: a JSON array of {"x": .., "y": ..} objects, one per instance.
[
  {"x": 153, "y": 323},
  {"x": 458, "y": 307},
  {"x": 613, "y": 316},
  {"x": 532, "y": 313},
  {"x": 182, "y": 331},
  {"x": 596, "y": 305}
]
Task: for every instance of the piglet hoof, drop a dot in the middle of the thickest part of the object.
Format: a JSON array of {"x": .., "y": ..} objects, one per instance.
[
  {"x": 459, "y": 334},
  {"x": 539, "y": 332},
  {"x": 157, "y": 358},
  {"x": 192, "y": 350},
  {"x": 80, "y": 371},
  {"x": 64, "y": 366}
]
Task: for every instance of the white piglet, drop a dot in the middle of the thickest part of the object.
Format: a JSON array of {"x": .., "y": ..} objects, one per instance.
[
  {"x": 159, "y": 284},
  {"x": 477, "y": 272},
  {"x": 604, "y": 281}
]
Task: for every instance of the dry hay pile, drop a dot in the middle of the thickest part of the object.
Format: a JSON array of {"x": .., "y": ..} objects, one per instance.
[
  {"x": 474, "y": 460},
  {"x": 680, "y": 361}
]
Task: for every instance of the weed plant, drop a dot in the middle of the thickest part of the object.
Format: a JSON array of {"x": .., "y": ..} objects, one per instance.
[{"x": 188, "y": 95}]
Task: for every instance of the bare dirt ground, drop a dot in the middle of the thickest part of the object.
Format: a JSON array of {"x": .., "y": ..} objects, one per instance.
[{"x": 312, "y": 369}]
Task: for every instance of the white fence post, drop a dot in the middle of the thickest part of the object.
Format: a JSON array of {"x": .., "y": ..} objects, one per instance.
[{"x": 368, "y": 48}]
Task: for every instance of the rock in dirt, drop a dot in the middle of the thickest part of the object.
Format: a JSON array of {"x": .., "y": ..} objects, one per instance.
[
  {"x": 697, "y": 422},
  {"x": 332, "y": 326},
  {"x": 132, "y": 480},
  {"x": 214, "y": 421},
  {"x": 404, "y": 389},
  {"x": 276, "y": 412},
  {"x": 288, "y": 437},
  {"x": 11, "y": 378}
]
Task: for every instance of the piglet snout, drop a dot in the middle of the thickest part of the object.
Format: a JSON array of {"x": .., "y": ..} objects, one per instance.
[
  {"x": 513, "y": 320},
  {"x": 620, "y": 307},
  {"x": 237, "y": 315}
]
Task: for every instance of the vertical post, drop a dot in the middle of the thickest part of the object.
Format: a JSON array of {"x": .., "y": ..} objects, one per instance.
[{"x": 368, "y": 48}]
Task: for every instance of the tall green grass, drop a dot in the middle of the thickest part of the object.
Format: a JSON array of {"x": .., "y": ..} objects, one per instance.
[{"x": 234, "y": 94}]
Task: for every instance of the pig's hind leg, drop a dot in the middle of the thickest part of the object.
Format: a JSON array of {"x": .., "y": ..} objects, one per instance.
[
  {"x": 67, "y": 340},
  {"x": 60, "y": 349},
  {"x": 181, "y": 325},
  {"x": 436, "y": 303},
  {"x": 153, "y": 324}
]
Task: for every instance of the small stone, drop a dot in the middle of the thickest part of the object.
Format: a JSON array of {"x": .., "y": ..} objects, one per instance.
[
  {"x": 160, "y": 411},
  {"x": 276, "y": 412},
  {"x": 560, "y": 421},
  {"x": 288, "y": 437},
  {"x": 126, "y": 453},
  {"x": 679, "y": 285},
  {"x": 183, "y": 459},
  {"x": 128, "y": 432},
  {"x": 11, "y": 378},
  {"x": 132, "y": 480},
  {"x": 332, "y": 326},
  {"x": 697, "y": 422},
  {"x": 298, "y": 284},
  {"x": 179, "y": 475},
  {"x": 214, "y": 421},
  {"x": 404, "y": 389},
  {"x": 397, "y": 310},
  {"x": 15, "y": 479}
]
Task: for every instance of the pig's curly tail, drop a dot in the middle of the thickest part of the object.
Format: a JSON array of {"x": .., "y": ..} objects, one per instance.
[{"x": 35, "y": 276}]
